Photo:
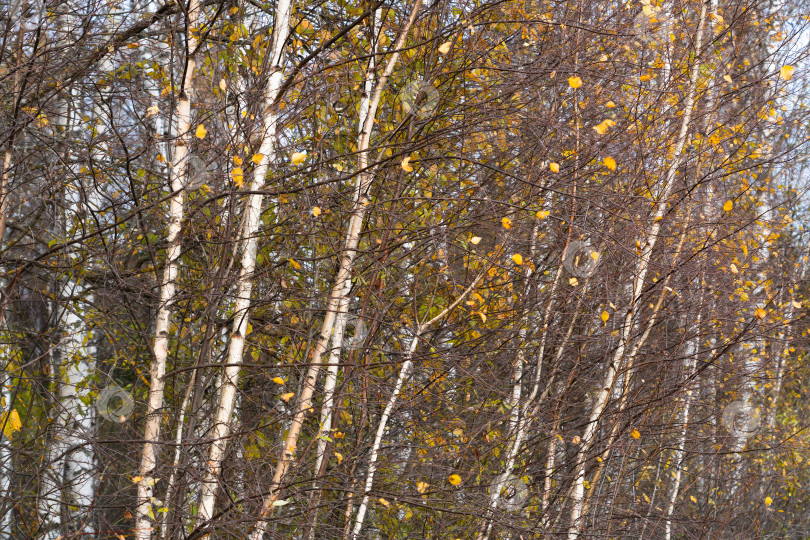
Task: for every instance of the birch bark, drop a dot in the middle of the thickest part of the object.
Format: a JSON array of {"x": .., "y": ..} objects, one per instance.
[
  {"x": 227, "y": 399},
  {"x": 689, "y": 363},
  {"x": 157, "y": 370},
  {"x": 67, "y": 489},
  {"x": 361, "y": 202},
  {"x": 330, "y": 383},
  {"x": 404, "y": 373},
  {"x": 642, "y": 267}
]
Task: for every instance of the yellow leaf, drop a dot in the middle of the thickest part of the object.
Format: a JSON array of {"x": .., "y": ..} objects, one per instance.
[
  {"x": 602, "y": 128},
  {"x": 454, "y": 479},
  {"x": 257, "y": 159},
  {"x": 201, "y": 132},
  {"x": 692, "y": 497},
  {"x": 644, "y": 78},
  {"x": 297, "y": 158},
  {"x": 574, "y": 82},
  {"x": 288, "y": 396},
  {"x": 278, "y": 380},
  {"x": 610, "y": 105},
  {"x": 316, "y": 211},
  {"x": 543, "y": 214},
  {"x": 294, "y": 264},
  {"x": 517, "y": 258},
  {"x": 594, "y": 255},
  {"x": 384, "y": 502},
  {"x": 483, "y": 317},
  {"x": 421, "y": 487},
  {"x": 795, "y": 304},
  {"x": 635, "y": 434},
  {"x": 759, "y": 313},
  {"x": 160, "y": 158},
  {"x": 576, "y": 440},
  {"x": 339, "y": 457},
  {"x": 137, "y": 479},
  {"x": 786, "y": 72},
  {"x": 406, "y": 166},
  {"x": 11, "y": 423},
  {"x": 152, "y": 110},
  {"x": 573, "y": 281},
  {"x": 605, "y": 316},
  {"x": 506, "y": 222},
  {"x": 238, "y": 176},
  {"x": 733, "y": 268},
  {"x": 728, "y": 205},
  {"x": 444, "y": 48},
  {"x": 768, "y": 501},
  {"x": 223, "y": 85},
  {"x": 727, "y": 78},
  {"x": 475, "y": 240},
  {"x": 555, "y": 167},
  {"x": 610, "y": 163},
  {"x": 238, "y": 161}
]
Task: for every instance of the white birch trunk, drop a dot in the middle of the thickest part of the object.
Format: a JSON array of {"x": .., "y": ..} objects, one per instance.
[
  {"x": 361, "y": 201},
  {"x": 404, "y": 373},
  {"x": 332, "y": 370},
  {"x": 340, "y": 320},
  {"x": 178, "y": 440},
  {"x": 69, "y": 459},
  {"x": 178, "y": 173},
  {"x": 230, "y": 382},
  {"x": 642, "y": 268},
  {"x": 689, "y": 363},
  {"x": 67, "y": 489}
]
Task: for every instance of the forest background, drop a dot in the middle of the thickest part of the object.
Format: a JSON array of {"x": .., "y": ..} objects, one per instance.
[{"x": 402, "y": 269}]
